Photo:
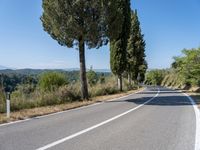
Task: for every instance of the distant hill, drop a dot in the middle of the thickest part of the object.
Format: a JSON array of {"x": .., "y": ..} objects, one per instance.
[
  {"x": 39, "y": 71},
  {"x": 96, "y": 70},
  {"x": 102, "y": 70},
  {"x": 3, "y": 67},
  {"x": 26, "y": 71}
]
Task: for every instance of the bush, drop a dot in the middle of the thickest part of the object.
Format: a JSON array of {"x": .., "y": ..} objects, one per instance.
[
  {"x": 26, "y": 97},
  {"x": 69, "y": 93},
  {"x": 92, "y": 77},
  {"x": 102, "y": 78},
  {"x": 109, "y": 87},
  {"x": 2, "y": 101},
  {"x": 50, "y": 81}
]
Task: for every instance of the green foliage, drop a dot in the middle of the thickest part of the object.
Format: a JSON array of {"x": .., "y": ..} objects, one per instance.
[
  {"x": 92, "y": 77},
  {"x": 38, "y": 98},
  {"x": 109, "y": 87},
  {"x": 50, "y": 81},
  {"x": 136, "y": 65},
  {"x": 117, "y": 57},
  {"x": 188, "y": 66},
  {"x": 172, "y": 79},
  {"x": 64, "y": 94},
  {"x": 113, "y": 17},
  {"x": 25, "y": 88},
  {"x": 2, "y": 99},
  {"x": 102, "y": 78},
  {"x": 185, "y": 71},
  {"x": 27, "y": 96},
  {"x": 69, "y": 21},
  {"x": 155, "y": 77},
  {"x": 11, "y": 80},
  {"x": 118, "y": 45}
]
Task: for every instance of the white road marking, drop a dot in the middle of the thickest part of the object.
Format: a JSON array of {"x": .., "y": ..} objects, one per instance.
[
  {"x": 95, "y": 126},
  {"x": 197, "y": 113},
  {"x": 52, "y": 114},
  {"x": 15, "y": 122}
]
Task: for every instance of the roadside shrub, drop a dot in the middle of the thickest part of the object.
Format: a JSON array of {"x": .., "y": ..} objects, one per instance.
[
  {"x": 109, "y": 87},
  {"x": 38, "y": 98},
  {"x": 2, "y": 101},
  {"x": 26, "y": 96},
  {"x": 92, "y": 77},
  {"x": 102, "y": 78},
  {"x": 69, "y": 93},
  {"x": 102, "y": 89},
  {"x": 25, "y": 88},
  {"x": 50, "y": 81}
]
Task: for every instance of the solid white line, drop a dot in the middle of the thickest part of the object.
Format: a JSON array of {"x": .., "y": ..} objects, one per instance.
[
  {"x": 197, "y": 114},
  {"x": 95, "y": 126},
  {"x": 79, "y": 108},
  {"x": 15, "y": 122}
]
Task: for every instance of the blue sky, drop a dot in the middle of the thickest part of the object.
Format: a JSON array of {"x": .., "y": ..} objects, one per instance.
[{"x": 168, "y": 25}]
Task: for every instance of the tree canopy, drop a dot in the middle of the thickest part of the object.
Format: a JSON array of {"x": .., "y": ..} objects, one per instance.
[
  {"x": 188, "y": 66},
  {"x": 69, "y": 21}
]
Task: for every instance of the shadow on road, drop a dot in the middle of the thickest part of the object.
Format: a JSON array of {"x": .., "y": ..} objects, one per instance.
[{"x": 161, "y": 100}]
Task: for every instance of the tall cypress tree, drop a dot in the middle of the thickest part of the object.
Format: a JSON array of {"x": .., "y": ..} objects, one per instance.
[
  {"x": 136, "y": 66},
  {"x": 118, "y": 44},
  {"x": 75, "y": 23}
]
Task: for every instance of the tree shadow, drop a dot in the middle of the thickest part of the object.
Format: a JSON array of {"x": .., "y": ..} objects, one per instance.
[
  {"x": 161, "y": 92},
  {"x": 161, "y": 101},
  {"x": 196, "y": 98}
]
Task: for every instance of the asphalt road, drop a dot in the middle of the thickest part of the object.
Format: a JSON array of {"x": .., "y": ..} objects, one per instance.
[{"x": 155, "y": 119}]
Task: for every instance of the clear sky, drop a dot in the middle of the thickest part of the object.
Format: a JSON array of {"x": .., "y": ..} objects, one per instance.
[{"x": 168, "y": 25}]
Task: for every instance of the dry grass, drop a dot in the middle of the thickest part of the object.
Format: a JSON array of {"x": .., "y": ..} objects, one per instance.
[{"x": 29, "y": 113}]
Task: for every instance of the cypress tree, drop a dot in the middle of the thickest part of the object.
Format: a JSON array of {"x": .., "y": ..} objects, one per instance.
[
  {"x": 136, "y": 66},
  {"x": 76, "y": 23},
  {"x": 118, "y": 43}
]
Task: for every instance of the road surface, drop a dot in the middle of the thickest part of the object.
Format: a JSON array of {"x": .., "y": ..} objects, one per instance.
[{"x": 154, "y": 119}]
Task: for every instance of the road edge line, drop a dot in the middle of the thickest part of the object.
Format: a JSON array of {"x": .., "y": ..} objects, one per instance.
[{"x": 197, "y": 114}]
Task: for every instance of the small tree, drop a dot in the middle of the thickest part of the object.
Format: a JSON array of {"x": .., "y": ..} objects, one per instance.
[
  {"x": 102, "y": 78},
  {"x": 76, "y": 22},
  {"x": 92, "y": 77}
]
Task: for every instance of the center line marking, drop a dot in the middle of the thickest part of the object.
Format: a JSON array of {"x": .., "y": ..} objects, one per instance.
[{"x": 95, "y": 126}]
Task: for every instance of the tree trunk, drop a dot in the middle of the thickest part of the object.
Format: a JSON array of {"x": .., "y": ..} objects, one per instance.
[
  {"x": 120, "y": 82},
  {"x": 129, "y": 79},
  {"x": 84, "y": 87}
]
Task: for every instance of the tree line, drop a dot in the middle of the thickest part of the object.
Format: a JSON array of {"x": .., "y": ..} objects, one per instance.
[
  {"x": 10, "y": 80},
  {"x": 94, "y": 23}
]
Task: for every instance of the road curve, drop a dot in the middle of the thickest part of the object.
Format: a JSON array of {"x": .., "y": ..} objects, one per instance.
[{"x": 155, "y": 119}]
